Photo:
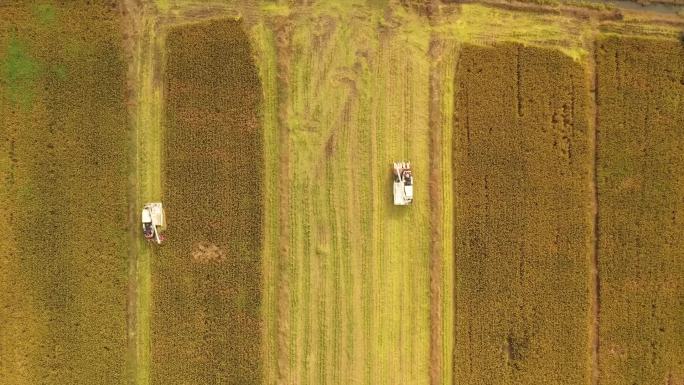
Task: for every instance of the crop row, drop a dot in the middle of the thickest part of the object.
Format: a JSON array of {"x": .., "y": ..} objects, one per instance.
[
  {"x": 63, "y": 200},
  {"x": 206, "y": 325},
  {"x": 641, "y": 211},
  {"x": 522, "y": 163}
]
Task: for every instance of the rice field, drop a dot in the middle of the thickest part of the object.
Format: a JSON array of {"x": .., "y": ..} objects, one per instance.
[
  {"x": 206, "y": 281},
  {"x": 542, "y": 246},
  {"x": 640, "y": 180},
  {"x": 522, "y": 245},
  {"x": 63, "y": 201}
]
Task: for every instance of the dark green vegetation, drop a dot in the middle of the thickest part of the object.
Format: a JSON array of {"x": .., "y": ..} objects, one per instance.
[
  {"x": 206, "y": 325},
  {"x": 522, "y": 166},
  {"x": 641, "y": 222},
  {"x": 63, "y": 201}
]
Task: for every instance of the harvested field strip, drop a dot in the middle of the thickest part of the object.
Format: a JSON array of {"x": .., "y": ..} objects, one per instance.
[
  {"x": 266, "y": 58},
  {"x": 522, "y": 245},
  {"x": 145, "y": 169},
  {"x": 206, "y": 281},
  {"x": 358, "y": 287},
  {"x": 63, "y": 270},
  {"x": 444, "y": 65},
  {"x": 641, "y": 211}
]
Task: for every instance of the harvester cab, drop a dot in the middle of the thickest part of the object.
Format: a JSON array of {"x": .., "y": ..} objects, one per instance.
[
  {"x": 153, "y": 222},
  {"x": 403, "y": 184}
]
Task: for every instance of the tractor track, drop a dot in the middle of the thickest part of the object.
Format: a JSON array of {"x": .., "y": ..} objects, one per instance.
[
  {"x": 283, "y": 30},
  {"x": 436, "y": 210}
]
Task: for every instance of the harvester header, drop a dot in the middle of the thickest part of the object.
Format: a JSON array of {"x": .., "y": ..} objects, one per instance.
[{"x": 403, "y": 184}]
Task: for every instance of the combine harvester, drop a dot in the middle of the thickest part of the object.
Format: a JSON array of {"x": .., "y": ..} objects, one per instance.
[
  {"x": 153, "y": 221},
  {"x": 403, "y": 184}
]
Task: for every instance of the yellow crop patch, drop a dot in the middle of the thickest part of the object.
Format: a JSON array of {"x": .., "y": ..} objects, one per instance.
[
  {"x": 206, "y": 281},
  {"x": 63, "y": 200},
  {"x": 641, "y": 211},
  {"x": 522, "y": 222}
]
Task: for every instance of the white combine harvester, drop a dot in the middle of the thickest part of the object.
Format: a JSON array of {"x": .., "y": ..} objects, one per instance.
[
  {"x": 403, "y": 184},
  {"x": 153, "y": 221}
]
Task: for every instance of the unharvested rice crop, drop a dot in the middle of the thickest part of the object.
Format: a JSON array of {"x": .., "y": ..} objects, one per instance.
[
  {"x": 641, "y": 210},
  {"x": 206, "y": 325},
  {"x": 522, "y": 220},
  {"x": 63, "y": 201}
]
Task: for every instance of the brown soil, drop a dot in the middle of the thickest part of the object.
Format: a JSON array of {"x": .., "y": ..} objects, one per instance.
[{"x": 207, "y": 252}]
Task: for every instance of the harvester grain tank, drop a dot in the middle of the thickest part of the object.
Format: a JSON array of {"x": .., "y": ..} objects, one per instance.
[
  {"x": 403, "y": 184},
  {"x": 153, "y": 222}
]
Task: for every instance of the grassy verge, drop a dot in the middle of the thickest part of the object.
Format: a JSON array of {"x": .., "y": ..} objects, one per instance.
[
  {"x": 521, "y": 217},
  {"x": 206, "y": 282},
  {"x": 64, "y": 203},
  {"x": 641, "y": 213}
]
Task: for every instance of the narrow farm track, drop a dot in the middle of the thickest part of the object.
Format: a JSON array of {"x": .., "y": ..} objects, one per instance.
[
  {"x": 145, "y": 172},
  {"x": 594, "y": 274},
  {"x": 436, "y": 214}
]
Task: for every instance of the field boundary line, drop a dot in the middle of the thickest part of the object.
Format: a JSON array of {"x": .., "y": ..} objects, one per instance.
[
  {"x": 436, "y": 369},
  {"x": 595, "y": 283},
  {"x": 448, "y": 73}
]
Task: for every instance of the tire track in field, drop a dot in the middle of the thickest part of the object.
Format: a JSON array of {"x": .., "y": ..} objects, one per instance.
[
  {"x": 284, "y": 234},
  {"x": 131, "y": 28},
  {"x": 436, "y": 210}
]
